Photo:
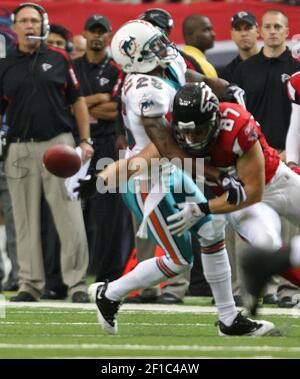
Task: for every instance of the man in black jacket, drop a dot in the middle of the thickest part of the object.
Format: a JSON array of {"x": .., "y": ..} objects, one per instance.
[
  {"x": 244, "y": 33},
  {"x": 37, "y": 87}
]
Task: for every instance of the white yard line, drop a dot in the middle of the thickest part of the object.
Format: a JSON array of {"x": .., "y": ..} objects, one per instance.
[
  {"x": 157, "y": 308},
  {"x": 98, "y": 346}
]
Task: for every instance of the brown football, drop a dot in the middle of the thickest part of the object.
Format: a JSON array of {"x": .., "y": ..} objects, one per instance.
[{"x": 62, "y": 160}]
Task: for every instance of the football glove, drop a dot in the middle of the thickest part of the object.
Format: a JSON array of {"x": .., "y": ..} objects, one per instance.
[
  {"x": 235, "y": 188},
  {"x": 189, "y": 215},
  {"x": 89, "y": 185},
  {"x": 234, "y": 94}
]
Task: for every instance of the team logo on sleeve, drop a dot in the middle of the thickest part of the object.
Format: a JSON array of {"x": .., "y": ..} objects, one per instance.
[
  {"x": 128, "y": 47},
  {"x": 251, "y": 133},
  {"x": 146, "y": 104}
]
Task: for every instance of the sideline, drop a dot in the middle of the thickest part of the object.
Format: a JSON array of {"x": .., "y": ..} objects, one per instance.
[{"x": 156, "y": 308}]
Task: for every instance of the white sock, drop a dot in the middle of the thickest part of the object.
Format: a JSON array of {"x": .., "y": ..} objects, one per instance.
[
  {"x": 217, "y": 272},
  {"x": 295, "y": 251},
  {"x": 145, "y": 274}
]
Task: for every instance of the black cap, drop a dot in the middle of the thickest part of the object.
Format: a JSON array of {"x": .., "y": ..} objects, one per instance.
[
  {"x": 243, "y": 17},
  {"x": 97, "y": 19}
]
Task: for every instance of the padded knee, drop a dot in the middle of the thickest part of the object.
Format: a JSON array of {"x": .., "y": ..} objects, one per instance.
[{"x": 174, "y": 267}]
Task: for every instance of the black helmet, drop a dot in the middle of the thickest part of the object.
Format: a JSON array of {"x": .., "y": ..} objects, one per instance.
[
  {"x": 195, "y": 119},
  {"x": 158, "y": 17}
]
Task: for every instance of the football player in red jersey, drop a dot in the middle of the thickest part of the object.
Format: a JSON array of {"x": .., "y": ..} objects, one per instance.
[
  {"x": 293, "y": 136},
  {"x": 259, "y": 265},
  {"x": 231, "y": 141}
]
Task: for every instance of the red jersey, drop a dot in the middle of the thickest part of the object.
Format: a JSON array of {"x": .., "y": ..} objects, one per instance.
[
  {"x": 239, "y": 132},
  {"x": 293, "y": 87}
]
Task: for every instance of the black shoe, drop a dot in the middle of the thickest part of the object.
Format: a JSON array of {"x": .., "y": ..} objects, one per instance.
[
  {"x": 80, "y": 297},
  {"x": 107, "y": 309},
  {"x": 258, "y": 266},
  {"x": 53, "y": 295},
  {"x": 243, "y": 326},
  {"x": 287, "y": 302},
  {"x": 10, "y": 286},
  {"x": 23, "y": 296},
  {"x": 270, "y": 299},
  {"x": 169, "y": 298},
  {"x": 139, "y": 299}
]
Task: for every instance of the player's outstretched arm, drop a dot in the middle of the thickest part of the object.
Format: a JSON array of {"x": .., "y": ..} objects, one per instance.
[
  {"x": 218, "y": 85},
  {"x": 251, "y": 172}
]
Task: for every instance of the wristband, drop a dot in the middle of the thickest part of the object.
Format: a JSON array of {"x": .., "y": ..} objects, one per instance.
[{"x": 204, "y": 207}]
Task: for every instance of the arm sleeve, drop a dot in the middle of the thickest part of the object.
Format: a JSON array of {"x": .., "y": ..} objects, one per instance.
[
  {"x": 72, "y": 84},
  {"x": 119, "y": 81},
  {"x": 293, "y": 136},
  {"x": 246, "y": 137}
]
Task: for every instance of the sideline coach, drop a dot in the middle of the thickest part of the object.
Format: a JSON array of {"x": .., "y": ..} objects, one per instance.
[{"x": 37, "y": 88}]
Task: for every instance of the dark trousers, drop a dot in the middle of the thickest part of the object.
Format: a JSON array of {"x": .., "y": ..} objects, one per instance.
[
  {"x": 51, "y": 250},
  {"x": 108, "y": 224}
]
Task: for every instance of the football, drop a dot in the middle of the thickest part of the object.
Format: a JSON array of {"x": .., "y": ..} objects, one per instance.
[{"x": 62, "y": 160}]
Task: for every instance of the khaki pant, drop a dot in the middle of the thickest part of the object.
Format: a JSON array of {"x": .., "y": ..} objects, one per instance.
[{"x": 26, "y": 178}]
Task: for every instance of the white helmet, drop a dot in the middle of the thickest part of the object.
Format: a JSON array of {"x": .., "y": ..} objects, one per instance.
[{"x": 140, "y": 47}]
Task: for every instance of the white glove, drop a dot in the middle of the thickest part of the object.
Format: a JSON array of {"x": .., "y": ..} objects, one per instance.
[{"x": 182, "y": 221}]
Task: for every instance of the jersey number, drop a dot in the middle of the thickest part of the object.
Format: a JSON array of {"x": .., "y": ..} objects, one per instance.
[
  {"x": 144, "y": 82},
  {"x": 228, "y": 124}
]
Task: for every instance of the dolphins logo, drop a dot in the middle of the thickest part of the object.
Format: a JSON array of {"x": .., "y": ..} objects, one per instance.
[{"x": 128, "y": 47}]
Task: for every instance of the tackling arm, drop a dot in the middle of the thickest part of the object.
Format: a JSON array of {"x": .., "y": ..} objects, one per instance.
[
  {"x": 251, "y": 171},
  {"x": 159, "y": 132},
  {"x": 218, "y": 85},
  {"x": 123, "y": 169}
]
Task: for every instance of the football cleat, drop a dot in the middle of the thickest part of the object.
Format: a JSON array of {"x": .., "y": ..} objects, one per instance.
[
  {"x": 106, "y": 309},
  {"x": 258, "y": 266},
  {"x": 243, "y": 326}
]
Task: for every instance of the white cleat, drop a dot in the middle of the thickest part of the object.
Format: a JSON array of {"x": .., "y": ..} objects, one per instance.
[{"x": 243, "y": 326}]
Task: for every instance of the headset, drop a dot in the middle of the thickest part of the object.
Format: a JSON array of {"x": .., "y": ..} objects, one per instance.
[
  {"x": 45, "y": 20},
  {"x": 69, "y": 47}
]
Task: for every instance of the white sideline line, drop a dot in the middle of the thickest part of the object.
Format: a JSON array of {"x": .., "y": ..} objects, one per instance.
[
  {"x": 161, "y": 357},
  {"x": 97, "y": 323},
  {"x": 201, "y": 325},
  {"x": 94, "y": 346},
  {"x": 158, "y": 308}
]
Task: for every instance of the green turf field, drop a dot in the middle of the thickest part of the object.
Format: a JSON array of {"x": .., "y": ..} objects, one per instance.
[{"x": 30, "y": 332}]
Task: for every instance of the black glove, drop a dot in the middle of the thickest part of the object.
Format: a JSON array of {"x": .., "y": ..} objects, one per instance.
[
  {"x": 87, "y": 186},
  {"x": 234, "y": 94},
  {"x": 234, "y": 187}
]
